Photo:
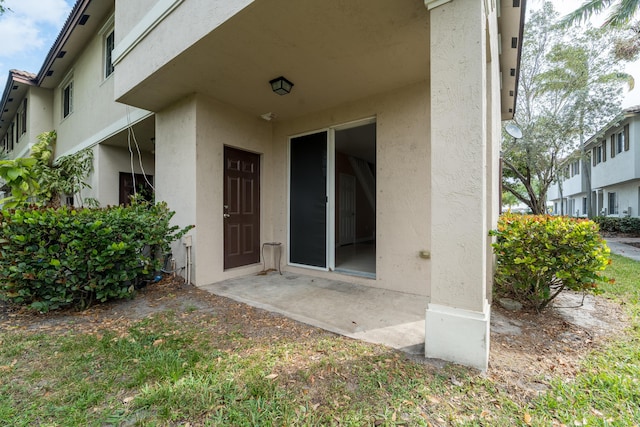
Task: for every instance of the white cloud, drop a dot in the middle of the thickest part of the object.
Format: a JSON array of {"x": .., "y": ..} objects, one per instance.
[
  {"x": 18, "y": 36},
  {"x": 28, "y": 30},
  {"x": 53, "y": 12}
]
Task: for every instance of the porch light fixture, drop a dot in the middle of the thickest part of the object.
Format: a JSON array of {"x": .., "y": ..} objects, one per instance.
[{"x": 281, "y": 86}]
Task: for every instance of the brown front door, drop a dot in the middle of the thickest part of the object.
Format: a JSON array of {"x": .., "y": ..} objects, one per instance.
[{"x": 241, "y": 208}]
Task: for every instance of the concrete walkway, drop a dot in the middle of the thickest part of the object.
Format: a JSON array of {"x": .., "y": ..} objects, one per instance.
[
  {"x": 375, "y": 315},
  {"x": 618, "y": 246}
]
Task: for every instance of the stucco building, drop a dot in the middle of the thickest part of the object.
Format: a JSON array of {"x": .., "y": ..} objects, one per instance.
[{"x": 379, "y": 167}]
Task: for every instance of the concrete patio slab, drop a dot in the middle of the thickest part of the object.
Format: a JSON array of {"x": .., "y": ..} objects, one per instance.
[{"x": 375, "y": 315}]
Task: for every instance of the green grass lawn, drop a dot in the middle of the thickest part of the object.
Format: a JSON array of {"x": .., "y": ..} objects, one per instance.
[{"x": 175, "y": 368}]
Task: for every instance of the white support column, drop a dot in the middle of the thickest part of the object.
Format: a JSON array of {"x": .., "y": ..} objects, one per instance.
[{"x": 457, "y": 316}]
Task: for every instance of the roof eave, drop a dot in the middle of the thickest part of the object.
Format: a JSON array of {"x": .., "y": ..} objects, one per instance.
[{"x": 69, "y": 26}]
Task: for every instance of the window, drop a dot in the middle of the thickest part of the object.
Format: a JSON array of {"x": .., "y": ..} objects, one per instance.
[
  {"x": 67, "y": 99},
  {"x": 575, "y": 168},
  {"x": 24, "y": 116},
  {"x": 109, "y": 42},
  {"x": 613, "y": 204},
  {"x": 584, "y": 205},
  {"x": 597, "y": 155},
  {"x": 626, "y": 137},
  {"x": 11, "y": 137},
  {"x": 617, "y": 143}
]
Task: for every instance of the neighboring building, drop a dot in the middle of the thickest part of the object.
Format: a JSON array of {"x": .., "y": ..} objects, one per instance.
[
  {"x": 608, "y": 176},
  {"x": 380, "y": 167},
  {"x": 26, "y": 113},
  {"x": 73, "y": 95},
  {"x": 569, "y": 194}
]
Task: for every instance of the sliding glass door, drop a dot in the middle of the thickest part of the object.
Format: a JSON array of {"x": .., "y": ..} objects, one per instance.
[{"x": 308, "y": 200}]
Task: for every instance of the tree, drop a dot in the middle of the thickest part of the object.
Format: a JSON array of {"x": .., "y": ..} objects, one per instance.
[
  {"x": 622, "y": 12},
  {"x": 568, "y": 91},
  {"x": 626, "y": 47},
  {"x": 38, "y": 180}
]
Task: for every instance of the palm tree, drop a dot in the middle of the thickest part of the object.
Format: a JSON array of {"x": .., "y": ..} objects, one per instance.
[{"x": 622, "y": 12}]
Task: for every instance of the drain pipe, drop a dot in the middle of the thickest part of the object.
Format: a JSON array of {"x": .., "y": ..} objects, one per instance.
[{"x": 188, "y": 241}]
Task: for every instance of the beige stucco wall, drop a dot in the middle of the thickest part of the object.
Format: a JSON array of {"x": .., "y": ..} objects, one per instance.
[
  {"x": 175, "y": 162},
  {"x": 195, "y": 131},
  {"x": 39, "y": 120},
  {"x": 39, "y": 108},
  {"x": 219, "y": 125},
  {"x": 402, "y": 183},
  {"x": 460, "y": 199},
  {"x": 129, "y": 13},
  {"x": 190, "y": 139},
  {"x": 194, "y": 18},
  {"x": 94, "y": 109}
]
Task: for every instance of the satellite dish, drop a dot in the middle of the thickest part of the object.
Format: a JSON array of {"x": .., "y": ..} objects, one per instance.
[{"x": 513, "y": 130}]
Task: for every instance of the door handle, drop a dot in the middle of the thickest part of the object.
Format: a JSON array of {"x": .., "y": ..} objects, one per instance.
[
  {"x": 226, "y": 211},
  {"x": 226, "y": 215}
]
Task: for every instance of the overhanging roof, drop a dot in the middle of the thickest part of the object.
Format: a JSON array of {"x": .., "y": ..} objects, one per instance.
[
  {"x": 511, "y": 28},
  {"x": 18, "y": 82}
]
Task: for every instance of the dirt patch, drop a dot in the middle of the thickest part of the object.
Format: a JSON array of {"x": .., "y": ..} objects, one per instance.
[{"x": 527, "y": 349}]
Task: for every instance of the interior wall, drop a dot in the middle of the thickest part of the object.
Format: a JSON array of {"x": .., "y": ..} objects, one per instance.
[{"x": 365, "y": 215}]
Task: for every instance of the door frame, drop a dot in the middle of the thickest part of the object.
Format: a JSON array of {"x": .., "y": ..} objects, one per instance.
[
  {"x": 260, "y": 206},
  {"x": 330, "y": 211}
]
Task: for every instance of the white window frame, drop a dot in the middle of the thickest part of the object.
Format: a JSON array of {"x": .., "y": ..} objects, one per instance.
[
  {"x": 67, "y": 83},
  {"x": 619, "y": 143},
  {"x": 67, "y": 99},
  {"x": 107, "y": 30}
]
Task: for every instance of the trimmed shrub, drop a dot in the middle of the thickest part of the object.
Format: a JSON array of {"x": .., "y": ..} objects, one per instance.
[
  {"x": 626, "y": 225},
  {"x": 538, "y": 256},
  {"x": 52, "y": 258}
]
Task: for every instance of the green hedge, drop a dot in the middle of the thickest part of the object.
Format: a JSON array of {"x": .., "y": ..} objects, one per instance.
[
  {"x": 627, "y": 225},
  {"x": 538, "y": 256},
  {"x": 53, "y": 258}
]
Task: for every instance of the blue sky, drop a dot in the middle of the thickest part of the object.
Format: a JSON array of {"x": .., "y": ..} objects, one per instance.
[{"x": 28, "y": 31}]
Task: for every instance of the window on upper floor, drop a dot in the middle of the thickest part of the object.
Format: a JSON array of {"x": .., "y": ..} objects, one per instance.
[
  {"x": 109, "y": 44},
  {"x": 575, "y": 168},
  {"x": 616, "y": 143},
  {"x": 597, "y": 155},
  {"x": 619, "y": 141},
  {"x": 67, "y": 99},
  {"x": 24, "y": 116},
  {"x": 12, "y": 130}
]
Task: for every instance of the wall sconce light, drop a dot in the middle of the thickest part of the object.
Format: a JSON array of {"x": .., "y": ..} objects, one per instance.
[{"x": 281, "y": 86}]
